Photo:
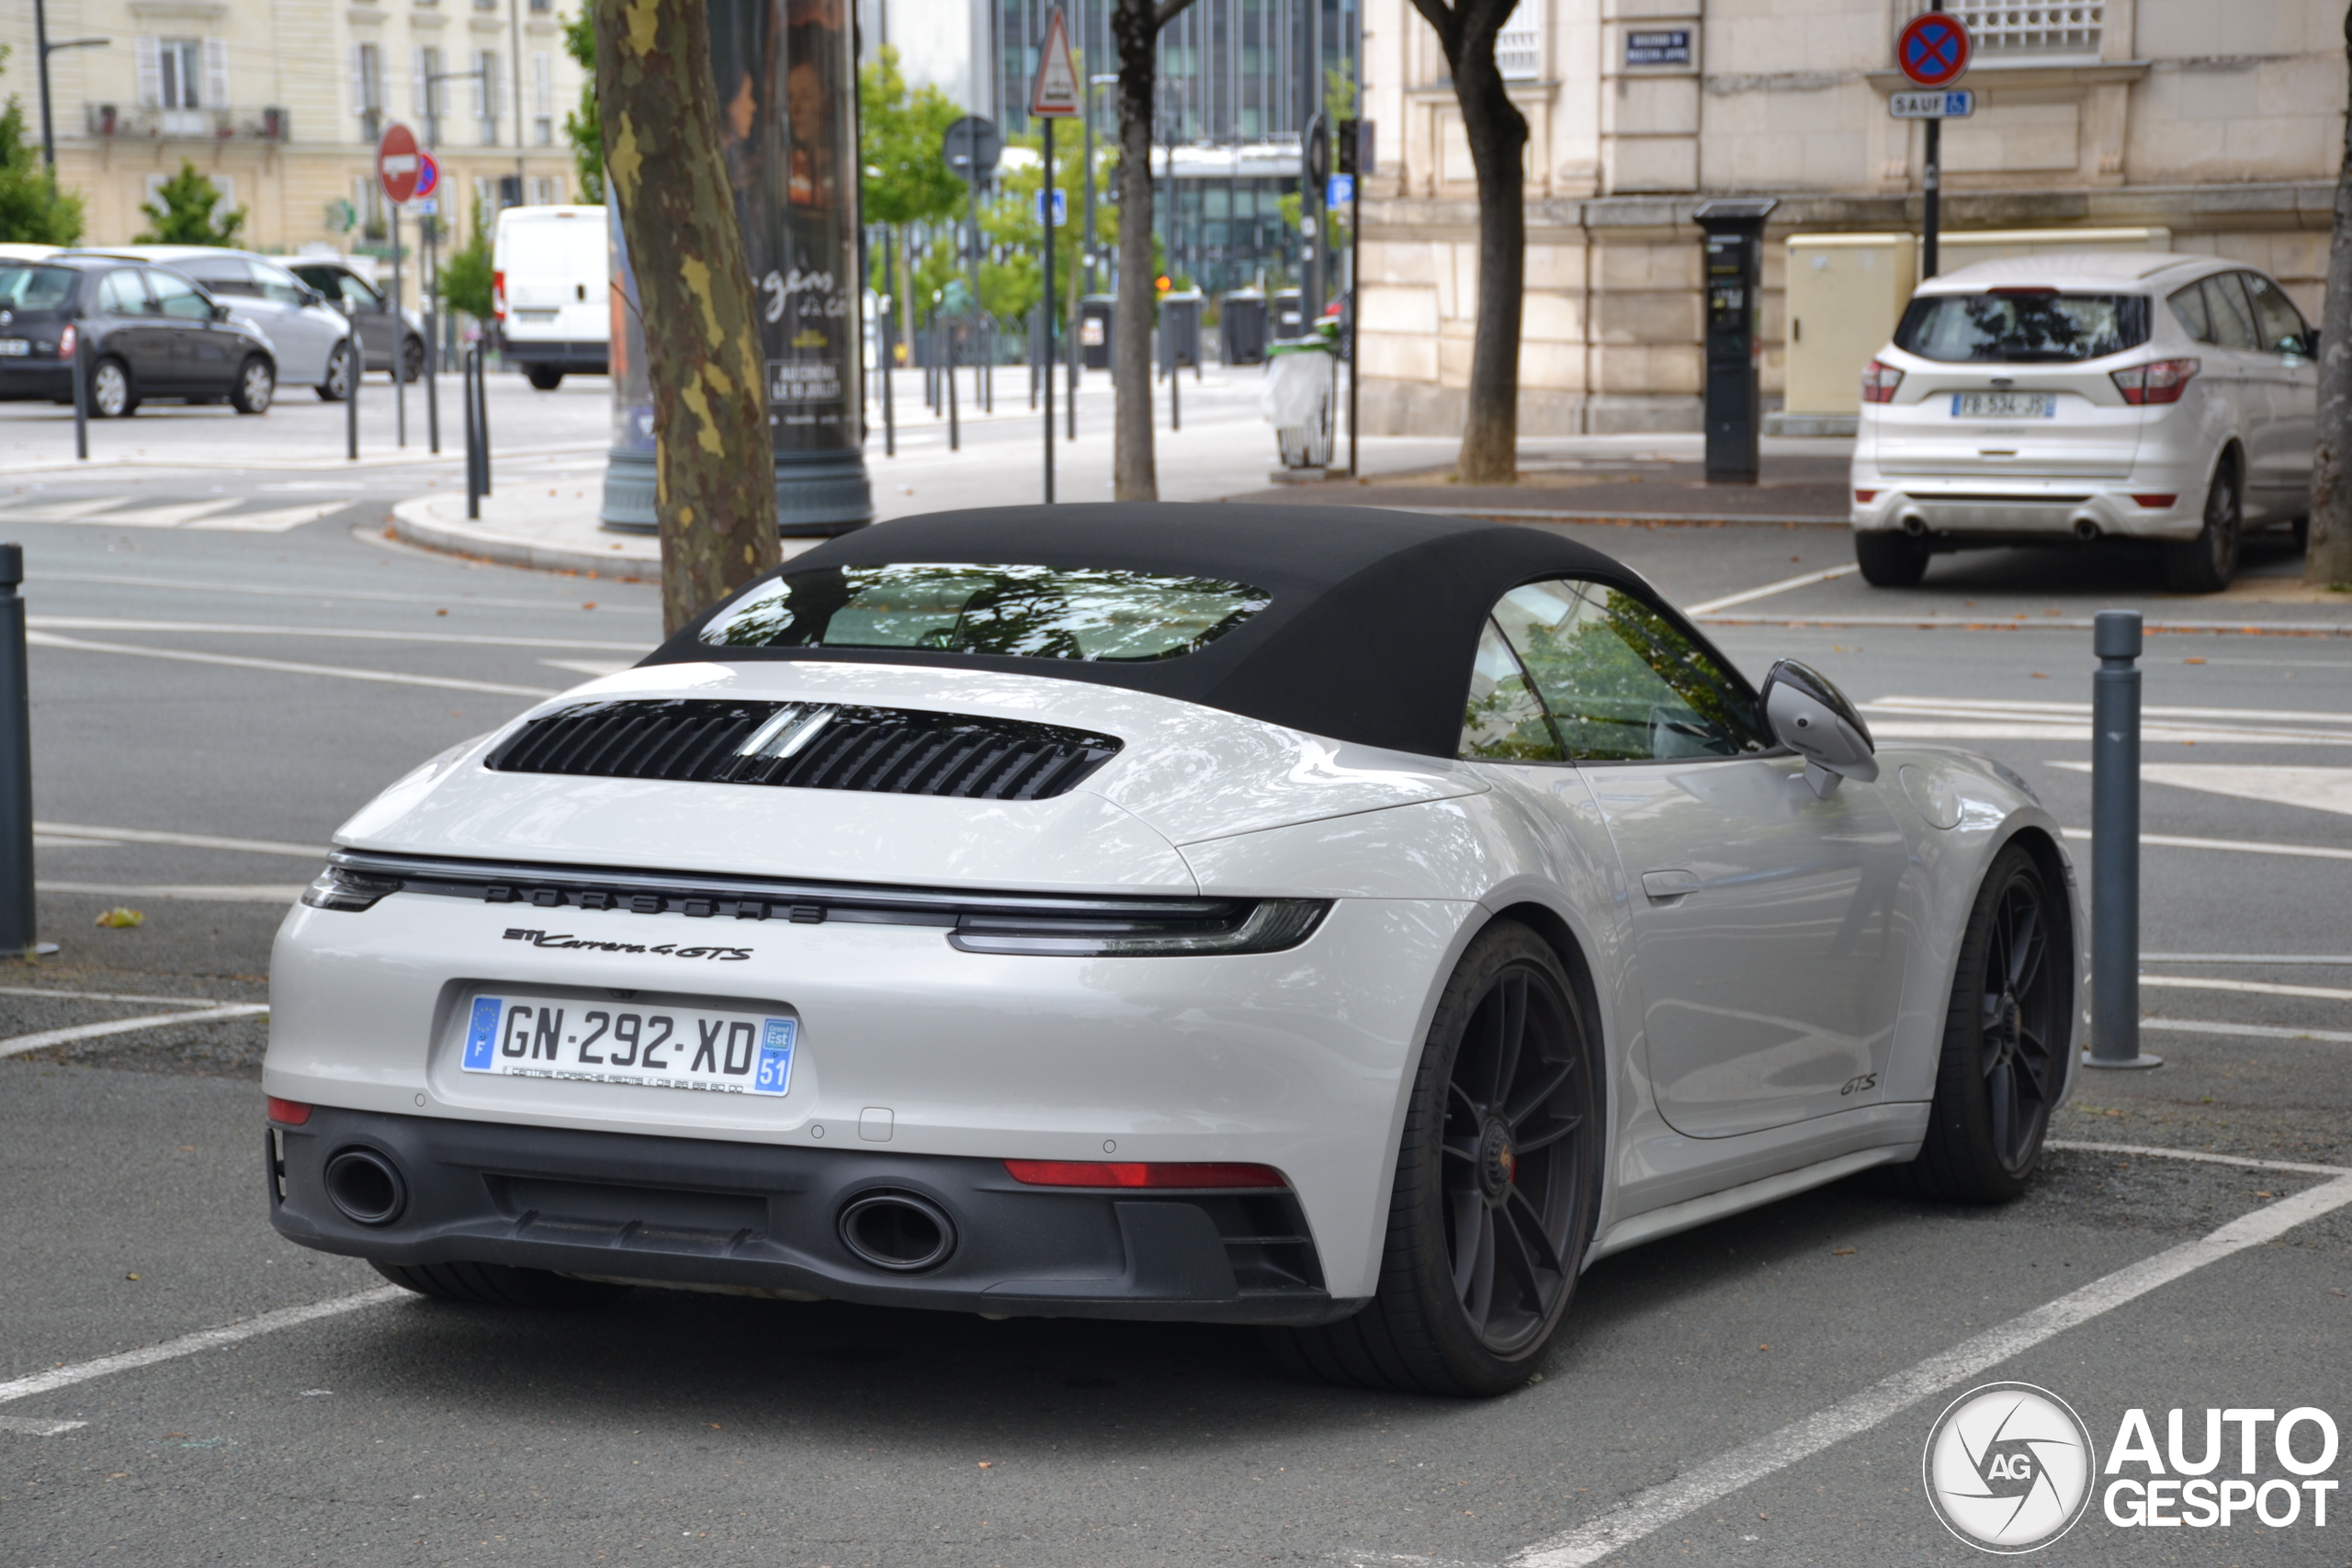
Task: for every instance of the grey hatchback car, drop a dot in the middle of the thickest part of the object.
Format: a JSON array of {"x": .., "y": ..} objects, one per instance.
[
  {"x": 310, "y": 335},
  {"x": 142, "y": 331}
]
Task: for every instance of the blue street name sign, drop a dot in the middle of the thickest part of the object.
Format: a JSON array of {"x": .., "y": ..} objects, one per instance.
[
  {"x": 1931, "y": 106},
  {"x": 1670, "y": 46}
]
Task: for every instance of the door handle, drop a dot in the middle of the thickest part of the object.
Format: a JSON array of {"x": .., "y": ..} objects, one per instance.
[{"x": 1666, "y": 886}]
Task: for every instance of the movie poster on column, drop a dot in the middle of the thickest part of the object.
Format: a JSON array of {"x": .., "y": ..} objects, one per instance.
[{"x": 786, "y": 84}]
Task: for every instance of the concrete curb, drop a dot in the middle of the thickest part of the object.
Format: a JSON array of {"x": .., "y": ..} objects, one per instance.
[{"x": 412, "y": 523}]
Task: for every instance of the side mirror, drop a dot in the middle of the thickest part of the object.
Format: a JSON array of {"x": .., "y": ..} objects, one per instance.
[
  {"x": 1811, "y": 717},
  {"x": 219, "y": 312},
  {"x": 2310, "y": 343}
]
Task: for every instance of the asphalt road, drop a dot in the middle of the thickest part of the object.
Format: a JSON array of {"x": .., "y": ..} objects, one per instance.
[{"x": 210, "y": 701}]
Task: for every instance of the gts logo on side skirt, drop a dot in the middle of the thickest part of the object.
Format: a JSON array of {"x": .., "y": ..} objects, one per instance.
[{"x": 1855, "y": 1086}]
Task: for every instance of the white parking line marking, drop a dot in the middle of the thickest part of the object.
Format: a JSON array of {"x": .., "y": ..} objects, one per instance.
[
  {"x": 218, "y": 892},
  {"x": 24, "y": 1042},
  {"x": 2323, "y": 960},
  {"x": 190, "y": 1344},
  {"x": 2001, "y": 708},
  {"x": 2315, "y": 789},
  {"x": 2255, "y": 1031},
  {"x": 1783, "y": 586},
  {"x": 1654, "y": 1508},
  {"x": 103, "y": 624},
  {"x": 595, "y": 668},
  {"x": 2200, "y": 1155},
  {"x": 26, "y": 1426},
  {"x": 335, "y": 597},
  {"x": 2192, "y": 983},
  {"x": 106, "y": 997},
  {"x": 2238, "y": 846},
  {"x": 50, "y": 639},
  {"x": 190, "y": 841}
]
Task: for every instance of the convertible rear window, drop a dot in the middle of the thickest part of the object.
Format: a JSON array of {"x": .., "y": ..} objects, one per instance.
[
  {"x": 2022, "y": 326},
  {"x": 1028, "y": 611},
  {"x": 36, "y": 287}
]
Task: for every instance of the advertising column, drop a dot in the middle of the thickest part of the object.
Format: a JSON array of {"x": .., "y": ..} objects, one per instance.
[{"x": 785, "y": 91}]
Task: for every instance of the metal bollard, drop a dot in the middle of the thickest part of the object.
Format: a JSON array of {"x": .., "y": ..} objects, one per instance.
[
  {"x": 473, "y": 435},
  {"x": 81, "y": 390},
  {"x": 481, "y": 409},
  {"x": 889, "y": 410},
  {"x": 353, "y": 359},
  {"x": 431, "y": 382},
  {"x": 18, "y": 928},
  {"x": 947, "y": 368},
  {"x": 2115, "y": 845}
]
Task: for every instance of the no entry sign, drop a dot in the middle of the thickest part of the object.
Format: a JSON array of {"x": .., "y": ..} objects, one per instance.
[
  {"x": 396, "y": 162},
  {"x": 1933, "y": 50}
]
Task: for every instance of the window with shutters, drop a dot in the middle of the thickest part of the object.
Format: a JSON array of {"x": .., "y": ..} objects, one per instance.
[
  {"x": 368, "y": 87},
  {"x": 543, "y": 98},
  {"x": 487, "y": 96}
]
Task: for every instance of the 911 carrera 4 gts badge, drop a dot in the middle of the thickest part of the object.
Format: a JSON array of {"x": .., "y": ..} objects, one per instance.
[{"x": 667, "y": 949}]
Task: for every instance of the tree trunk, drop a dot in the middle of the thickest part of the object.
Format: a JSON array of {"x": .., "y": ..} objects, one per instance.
[
  {"x": 2329, "y": 557},
  {"x": 715, "y": 475},
  {"x": 1497, "y": 132},
  {"x": 1135, "y": 26}
]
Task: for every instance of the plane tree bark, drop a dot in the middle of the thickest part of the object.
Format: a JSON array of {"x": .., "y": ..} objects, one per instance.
[
  {"x": 2330, "y": 555},
  {"x": 1135, "y": 29},
  {"x": 1497, "y": 132},
  {"x": 714, "y": 476}
]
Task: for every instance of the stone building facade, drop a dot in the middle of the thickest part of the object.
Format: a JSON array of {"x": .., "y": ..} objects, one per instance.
[
  {"x": 2206, "y": 126},
  {"x": 282, "y": 102}
]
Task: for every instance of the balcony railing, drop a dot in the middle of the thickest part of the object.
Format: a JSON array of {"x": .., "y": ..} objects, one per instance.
[
  {"x": 2032, "y": 30},
  {"x": 126, "y": 122},
  {"x": 1518, "y": 48}
]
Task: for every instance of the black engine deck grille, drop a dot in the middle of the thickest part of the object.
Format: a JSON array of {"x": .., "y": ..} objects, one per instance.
[{"x": 806, "y": 746}]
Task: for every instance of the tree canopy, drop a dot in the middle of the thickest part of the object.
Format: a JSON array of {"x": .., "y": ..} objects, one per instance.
[
  {"x": 582, "y": 126},
  {"x": 33, "y": 211},
  {"x": 184, "y": 213},
  {"x": 906, "y": 179},
  {"x": 465, "y": 281}
]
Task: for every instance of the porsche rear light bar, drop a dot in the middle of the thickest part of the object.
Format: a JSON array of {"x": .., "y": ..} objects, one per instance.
[
  {"x": 2161, "y": 383},
  {"x": 1135, "y": 1173},
  {"x": 1879, "y": 382}
]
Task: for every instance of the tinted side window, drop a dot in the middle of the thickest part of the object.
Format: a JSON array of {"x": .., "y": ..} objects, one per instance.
[
  {"x": 2275, "y": 316},
  {"x": 1621, "y": 681},
  {"x": 278, "y": 286},
  {"x": 179, "y": 298},
  {"x": 2233, "y": 319},
  {"x": 2188, "y": 307},
  {"x": 222, "y": 275},
  {"x": 1502, "y": 721},
  {"x": 119, "y": 293}
]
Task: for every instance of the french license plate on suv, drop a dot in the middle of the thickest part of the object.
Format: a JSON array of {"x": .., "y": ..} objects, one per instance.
[
  {"x": 2004, "y": 405},
  {"x": 15, "y": 347},
  {"x": 601, "y": 1041}
]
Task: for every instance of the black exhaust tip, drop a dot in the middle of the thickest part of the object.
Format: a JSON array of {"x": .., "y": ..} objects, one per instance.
[
  {"x": 898, "y": 1231},
  {"x": 366, "y": 1186}
]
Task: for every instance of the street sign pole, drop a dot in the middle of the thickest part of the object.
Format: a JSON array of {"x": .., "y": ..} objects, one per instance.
[
  {"x": 1933, "y": 52},
  {"x": 1055, "y": 95},
  {"x": 400, "y": 168},
  {"x": 399, "y": 342}
]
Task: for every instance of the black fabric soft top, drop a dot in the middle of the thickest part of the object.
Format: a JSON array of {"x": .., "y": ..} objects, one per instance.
[{"x": 1373, "y": 626}]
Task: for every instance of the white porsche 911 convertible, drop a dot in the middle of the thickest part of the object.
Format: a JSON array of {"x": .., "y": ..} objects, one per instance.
[{"x": 1348, "y": 922}]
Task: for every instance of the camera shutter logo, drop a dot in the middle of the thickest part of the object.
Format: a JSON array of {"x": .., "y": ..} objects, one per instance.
[{"x": 2009, "y": 1467}]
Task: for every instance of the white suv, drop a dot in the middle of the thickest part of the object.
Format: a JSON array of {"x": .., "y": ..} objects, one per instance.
[{"x": 2040, "y": 400}]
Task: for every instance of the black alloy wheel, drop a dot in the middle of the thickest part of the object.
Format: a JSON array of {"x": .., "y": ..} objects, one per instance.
[
  {"x": 110, "y": 393},
  {"x": 412, "y": 359},
  {"x": 545, "y": 378},
  {"x": 338, "y": 385},
  {"x": 2209, "y": 563},
  {"x": 257, "y": 386},
  {"x": 1498, "y": 1180},
  {"x": 2006, "y": 1035}
]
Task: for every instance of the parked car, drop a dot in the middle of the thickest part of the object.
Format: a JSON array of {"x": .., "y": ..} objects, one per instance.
[
  {"x": 551, "y": 282},
  {"x": 1353, "y": 925},
  {"x": 2042, "y": 400},
  {"x": 150, "y": 332},
  {"x": 383, "y": 331},
  {"x": 310, "y": 336}
]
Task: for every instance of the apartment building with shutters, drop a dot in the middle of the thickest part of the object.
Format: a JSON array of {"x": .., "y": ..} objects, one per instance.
[
  {"x": 282, "y": 102},
  {"x": 2192, "y": 124}
]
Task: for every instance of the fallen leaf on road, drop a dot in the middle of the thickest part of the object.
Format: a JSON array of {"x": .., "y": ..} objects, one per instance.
[{"x": 121, "y": 918}]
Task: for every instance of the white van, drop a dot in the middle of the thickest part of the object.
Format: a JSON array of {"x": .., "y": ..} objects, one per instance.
[{"x": 550, "y": 285}]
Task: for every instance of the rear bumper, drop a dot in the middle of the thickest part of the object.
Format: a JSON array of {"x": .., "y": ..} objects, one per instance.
[
  {"x": 575, "y": 357},
  {"x": 28, "y": 379},
  {"x": 1974, "y": 509},
  {"x": 694, "y": 1211}
]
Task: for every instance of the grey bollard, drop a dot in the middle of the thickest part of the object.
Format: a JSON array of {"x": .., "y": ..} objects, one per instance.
[
  {"x": 19, "y": 932},
  {"x": 357, "y": 360},
  {"x": 2115, "y": 845}
]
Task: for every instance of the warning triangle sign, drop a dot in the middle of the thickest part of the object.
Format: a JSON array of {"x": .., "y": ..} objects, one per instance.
[{"x": 1054, "y": 93}]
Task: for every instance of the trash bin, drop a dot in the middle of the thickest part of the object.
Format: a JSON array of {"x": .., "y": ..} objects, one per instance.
[
  {"x": 1094, "y": 329},
  {"x": 1180, "y": 329},
  {"x": 1297, "y": 402},
  {"x": 1242, "y": 330},
  {"x": 1290, "y": 320}
]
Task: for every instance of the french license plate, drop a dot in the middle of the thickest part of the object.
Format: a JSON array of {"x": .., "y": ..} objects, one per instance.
[
  {"x": 2004, "y": 405},
  {"x": 537, "y": 318},
  {"x": 598, "y": 1042},
  {"x": 13, "y": 347}
]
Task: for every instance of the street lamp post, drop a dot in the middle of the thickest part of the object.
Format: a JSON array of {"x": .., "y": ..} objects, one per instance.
[{"x": 45, "y": 49}]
